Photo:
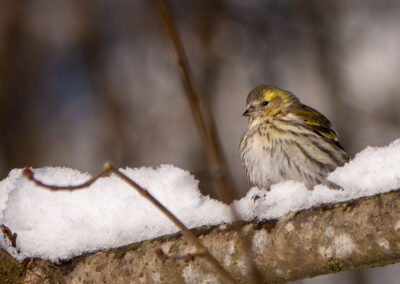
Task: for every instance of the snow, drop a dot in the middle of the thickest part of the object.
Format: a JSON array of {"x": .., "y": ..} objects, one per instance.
[
  {"x": 372, "y": 171},
  {"x": 63, "y": 224}
]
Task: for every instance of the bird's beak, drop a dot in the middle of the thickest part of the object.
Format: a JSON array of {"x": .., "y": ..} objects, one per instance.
[{"x": 250, "y": 111}]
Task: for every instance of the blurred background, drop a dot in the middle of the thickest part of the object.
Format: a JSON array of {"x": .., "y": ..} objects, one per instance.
[{"x": 83, "y": 82}]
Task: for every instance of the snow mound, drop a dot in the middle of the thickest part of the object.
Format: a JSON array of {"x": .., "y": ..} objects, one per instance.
[{"x": 63, "y": 224}]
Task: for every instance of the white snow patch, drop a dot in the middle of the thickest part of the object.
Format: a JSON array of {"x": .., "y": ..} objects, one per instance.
[
  {"x": 329, "y": 232},
  {"x": 231, "y": 247},
  {"x": 260, "y": 240},
  {"x": 242, "y": 264},
  {"x": 193, "y": 274},
  {"x": 343, "y": 245},
  {"x": 230, "y": 250},
  {"x": 397, "y": 226},
  {"x": 156, "y": 277},
  {"x": 61, "y": 225},
  {"x": 289, "y": 227},
  {"x": 382, "y": 242},
  {"x": 326, "y": 252},
  {"x": 166, "y": 247},
  {"x": 372, "y": 171}
]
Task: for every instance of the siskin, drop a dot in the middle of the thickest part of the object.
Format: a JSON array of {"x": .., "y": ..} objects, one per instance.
[{"x": 286, "y": 139}]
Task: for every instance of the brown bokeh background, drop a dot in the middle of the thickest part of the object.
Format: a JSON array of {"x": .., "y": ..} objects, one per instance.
[{"x": 82, "y": 82}]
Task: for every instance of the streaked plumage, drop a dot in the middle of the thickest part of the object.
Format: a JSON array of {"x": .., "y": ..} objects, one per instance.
[{"x": 286, "y": 139}]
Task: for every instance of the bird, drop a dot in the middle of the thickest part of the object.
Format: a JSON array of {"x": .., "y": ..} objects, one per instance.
[{"x": 288, "y": 140}]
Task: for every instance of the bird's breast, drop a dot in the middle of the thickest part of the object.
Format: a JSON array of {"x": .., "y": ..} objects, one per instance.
[{"x": 260, "y": 157}]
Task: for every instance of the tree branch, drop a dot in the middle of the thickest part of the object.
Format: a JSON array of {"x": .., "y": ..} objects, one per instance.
[
  {"x": 321, "y": 240},
  {"x": 107, "y": 167}
]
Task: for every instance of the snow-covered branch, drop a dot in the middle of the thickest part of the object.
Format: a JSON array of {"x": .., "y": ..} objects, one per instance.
[
  {"x": 297, "y": 233},
  {"x": 321, "y": 240}
]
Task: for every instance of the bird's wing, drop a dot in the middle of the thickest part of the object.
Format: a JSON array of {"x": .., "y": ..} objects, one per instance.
[{"x": 317, "y": 122}]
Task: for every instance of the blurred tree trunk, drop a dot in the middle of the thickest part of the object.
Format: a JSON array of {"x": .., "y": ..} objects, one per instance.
[{"x": 18, "y": 130}]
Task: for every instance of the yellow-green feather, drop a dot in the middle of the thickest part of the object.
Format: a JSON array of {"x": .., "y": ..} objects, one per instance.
[{"x": 318, "y": 122}]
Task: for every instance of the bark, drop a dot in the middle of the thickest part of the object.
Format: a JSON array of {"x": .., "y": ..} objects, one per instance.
[{"x": 321, "y": 240}]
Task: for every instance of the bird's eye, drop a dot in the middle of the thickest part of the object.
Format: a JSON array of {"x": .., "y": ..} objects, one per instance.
[{"x": 265, "y": 103}]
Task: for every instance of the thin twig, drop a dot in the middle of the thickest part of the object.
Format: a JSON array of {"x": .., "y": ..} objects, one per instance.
[
  {"x": 107, "y": 167},
  {"x": 27, "y": 172},
  {"x": 206, "y": 128},
  {"x": 12, "y": 237},
  {"x": 207, "y": 131}
]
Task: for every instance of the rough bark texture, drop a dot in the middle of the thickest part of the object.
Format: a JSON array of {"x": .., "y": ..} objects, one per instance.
[{"x": 320, "y": 240}]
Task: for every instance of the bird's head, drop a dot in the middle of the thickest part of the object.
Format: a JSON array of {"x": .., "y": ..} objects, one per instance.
[{"x": 266, "y": 101}]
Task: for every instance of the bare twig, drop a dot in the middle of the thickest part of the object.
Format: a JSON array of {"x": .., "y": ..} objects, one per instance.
[
  {"x": 10, "y": 235},
  {"x": 27, "y": 172},
  {"x": 206, "y": 128},
  {"x": 107, "y": 167},
  {"x": 219, "y": 170}
]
